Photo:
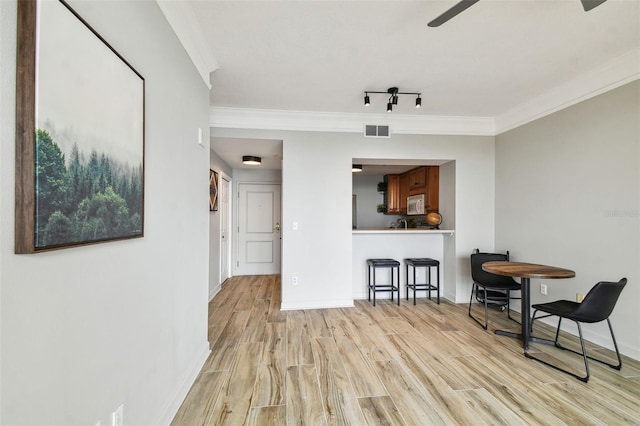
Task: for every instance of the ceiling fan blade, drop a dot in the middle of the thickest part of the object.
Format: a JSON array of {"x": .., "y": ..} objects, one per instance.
[
  {"x": 457, "y": 8},
  {"x": 590, "y": 4}
]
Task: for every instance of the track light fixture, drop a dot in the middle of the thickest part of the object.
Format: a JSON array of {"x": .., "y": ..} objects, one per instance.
[
  {"x": 393, "y": 97},
  {"x": 356, "y": 168}
]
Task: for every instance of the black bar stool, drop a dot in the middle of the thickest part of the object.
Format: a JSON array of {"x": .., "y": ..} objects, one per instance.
[
  {"x": 428, "y": 263},
  {"x": 394, "y": 285}
]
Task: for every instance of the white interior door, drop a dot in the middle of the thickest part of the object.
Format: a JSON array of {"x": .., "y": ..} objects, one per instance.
[
  {"x": 258, "y": 229},
  {"x": 224, "y": 190}
]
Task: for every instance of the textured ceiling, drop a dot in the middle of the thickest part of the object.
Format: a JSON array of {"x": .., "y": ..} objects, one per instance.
[{"x": 322, "y": 55}]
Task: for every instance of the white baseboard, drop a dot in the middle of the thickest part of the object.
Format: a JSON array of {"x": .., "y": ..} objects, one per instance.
[
  {"x": 214, "y": 291},
  {"x": 176, "y": 400},
  {"x": 322, "y": 304}
]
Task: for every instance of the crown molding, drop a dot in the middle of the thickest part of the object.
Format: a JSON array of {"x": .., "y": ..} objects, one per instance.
[
  {"x": 242, "y": 118},
  {"x": 616, "y": 73},
  {"x": 184, "y": 23}
]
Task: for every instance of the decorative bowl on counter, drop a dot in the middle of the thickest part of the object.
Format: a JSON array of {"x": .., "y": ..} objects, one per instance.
[{"x": 434, "y": 219}]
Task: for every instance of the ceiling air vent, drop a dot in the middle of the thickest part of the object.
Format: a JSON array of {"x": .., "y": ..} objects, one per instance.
[{"x": 374, "y": 131}]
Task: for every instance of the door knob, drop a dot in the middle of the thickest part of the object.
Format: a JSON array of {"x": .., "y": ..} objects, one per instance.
[{"x": 277, "y": 227}]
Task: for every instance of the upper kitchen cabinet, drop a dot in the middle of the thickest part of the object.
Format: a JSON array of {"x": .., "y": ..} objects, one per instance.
[
  {"x": 433, "y": 189},
  {"x": 404, "y": 192},
  {"x": 417, "y": 180},
  {"x": 393, "y": 194},
  {"x": 425, "y": 180}
]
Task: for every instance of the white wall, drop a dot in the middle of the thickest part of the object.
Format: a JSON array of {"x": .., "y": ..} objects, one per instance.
[
  {"x": 219, "y": 165},
  {"x": 86, "y": 329},
  {"x": 316, "y": 181},
  {"x": 365, "y": 187},
  {"x": 568, "y": 194}
]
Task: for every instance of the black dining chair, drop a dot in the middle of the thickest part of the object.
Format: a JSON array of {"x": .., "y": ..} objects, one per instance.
[
  {"x": 596, "y": 306},
  {"x": 490, "y": 288}
]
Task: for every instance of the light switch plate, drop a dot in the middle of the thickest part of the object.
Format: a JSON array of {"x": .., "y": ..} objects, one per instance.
[{"x": 200, "y": 137}]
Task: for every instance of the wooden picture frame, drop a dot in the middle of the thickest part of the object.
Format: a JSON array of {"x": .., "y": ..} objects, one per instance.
[
  {"x": 80, "y": 142},
  {"x": 213, "y": 191}
]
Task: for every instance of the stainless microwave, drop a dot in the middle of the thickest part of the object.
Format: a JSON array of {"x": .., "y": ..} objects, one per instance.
[{"x": 415, "y": 204}]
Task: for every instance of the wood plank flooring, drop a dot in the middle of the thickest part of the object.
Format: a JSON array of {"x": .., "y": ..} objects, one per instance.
[{"x": 388, "y": 365}]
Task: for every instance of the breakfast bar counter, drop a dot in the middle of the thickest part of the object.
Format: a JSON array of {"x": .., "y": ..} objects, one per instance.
[
  {"x": 398, "y": 244},
  {"x": 402, "y": 231}
]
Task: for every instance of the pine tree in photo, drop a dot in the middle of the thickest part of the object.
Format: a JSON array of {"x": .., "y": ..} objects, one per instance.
[{"x": 51, "y": 182}]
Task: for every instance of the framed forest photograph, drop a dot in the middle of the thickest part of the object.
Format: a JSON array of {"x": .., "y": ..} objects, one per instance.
[{"x": 79, "y": 134}]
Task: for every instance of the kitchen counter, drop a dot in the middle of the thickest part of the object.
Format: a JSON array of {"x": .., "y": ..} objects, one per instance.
[
  {"x": 402, "y": 231},
  {"x": 400, "y": 244}
]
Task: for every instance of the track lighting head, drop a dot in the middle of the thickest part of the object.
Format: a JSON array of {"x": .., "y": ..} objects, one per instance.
[{"x": 393, "y": 93}]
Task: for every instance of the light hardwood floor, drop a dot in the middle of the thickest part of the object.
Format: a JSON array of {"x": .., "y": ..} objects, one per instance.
[{"x": 388, "y": 365}]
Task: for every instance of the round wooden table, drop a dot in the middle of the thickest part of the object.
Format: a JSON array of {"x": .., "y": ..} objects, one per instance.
[{"x": 525, "y": 271}]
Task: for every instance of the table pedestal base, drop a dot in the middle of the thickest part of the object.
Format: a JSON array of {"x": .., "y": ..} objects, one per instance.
[{"x": 516, "y": 335}]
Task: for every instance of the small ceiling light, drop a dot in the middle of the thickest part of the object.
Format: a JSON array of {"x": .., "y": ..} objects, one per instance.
[
  {"x": 251, "y": 160},
  {"x": 356, "y": 168},
  {"x": 393, "y": 93}
]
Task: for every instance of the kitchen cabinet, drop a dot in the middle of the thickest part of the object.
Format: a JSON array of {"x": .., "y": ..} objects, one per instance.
[
  {"x": 432, "y": 198},
  {"x": 425, "y": 180},
  {"x": 404, "y": 192},
  {"x": 421, "y": 180},
  {"x": 417, "y": 179},
  {"x": 393, "y": 194}
]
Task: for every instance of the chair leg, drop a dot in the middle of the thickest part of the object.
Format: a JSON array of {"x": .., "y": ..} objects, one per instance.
[
  {"x": 398, "y": 283},
  {"x": 509, "y": 306},
  {"x": 415, "y": 289},
  {"x": 406, "y": 278},
  {"x": 584, "y": 355},
  {"x": 475, "y": 287},
  {"x": 369, "y": 283},
  {"x": 615, "y": 345},
  {"x": 374, "y": 286},
  {"x": 617, "y": 366},
  {"x": 486, "y": 310},
  {"x": 437, "y": 281}
]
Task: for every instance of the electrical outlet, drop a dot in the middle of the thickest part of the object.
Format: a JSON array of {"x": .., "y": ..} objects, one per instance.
[
  {"x": 543, "y": 289},
  {"x": 117, "y": 418},
  {"x": 579, "y": 297},
  {"x": 294, "y": 280}
]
